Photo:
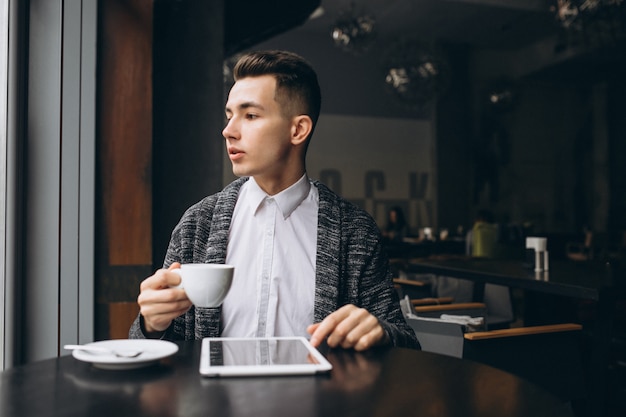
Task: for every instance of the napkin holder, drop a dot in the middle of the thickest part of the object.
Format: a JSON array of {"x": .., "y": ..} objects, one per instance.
[{"x": 539, "y": 246}]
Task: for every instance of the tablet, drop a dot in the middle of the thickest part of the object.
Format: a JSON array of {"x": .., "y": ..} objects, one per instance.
[{"x": 225, "y": 356}]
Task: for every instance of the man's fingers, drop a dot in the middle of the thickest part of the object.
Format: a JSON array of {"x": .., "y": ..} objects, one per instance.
[
  {"x": 162, "y": 278},
  {"x": 161, "y": 321},
  {"x": 348, "y": 327},
  {"x": 347, "y": 332},
  {"x": 160, "y": 307},
  {"x": 321, "y": 330},
  {"x": 159, "y": 302},
  {"x": 312, "y": 327},
  {"x": 174, "y": 265},
  {"x": 371, "y": 333},
  {"x": 161, "y": 296},
  {"x": 171, "y": 298},
  {"x": 358, "y": 330}
]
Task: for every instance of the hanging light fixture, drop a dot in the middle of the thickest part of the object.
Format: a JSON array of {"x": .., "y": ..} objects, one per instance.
[
  {"x": 501, "y": 95},
  {"x": 415, "y": 73},
  {"x": 354, "y": 32},
  {"x": 591, "y": 21},
  {"x": 566, "y": 13}
]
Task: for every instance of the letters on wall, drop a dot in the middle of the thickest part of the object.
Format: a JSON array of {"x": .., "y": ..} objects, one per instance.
[{"x": 377, "y": 163}]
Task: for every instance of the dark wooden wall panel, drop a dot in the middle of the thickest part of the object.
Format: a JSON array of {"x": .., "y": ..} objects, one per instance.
[
  {"x": 125, "y": 141},
  {"x": 124, "y": 157}
]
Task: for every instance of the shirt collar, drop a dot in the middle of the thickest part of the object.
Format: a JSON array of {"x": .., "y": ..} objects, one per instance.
[{"x": 287, "y": 200}]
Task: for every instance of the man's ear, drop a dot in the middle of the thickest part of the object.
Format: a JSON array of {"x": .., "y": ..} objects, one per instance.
[{"x": 301, "y": 129}]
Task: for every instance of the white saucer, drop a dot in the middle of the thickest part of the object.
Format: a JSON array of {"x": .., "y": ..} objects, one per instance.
[{"x": 153, "y": 350}]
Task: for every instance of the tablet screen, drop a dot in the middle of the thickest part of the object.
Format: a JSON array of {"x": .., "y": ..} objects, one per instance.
[
  {"x": 239, "y": 356},
  {"x": 259, "y": 352}
]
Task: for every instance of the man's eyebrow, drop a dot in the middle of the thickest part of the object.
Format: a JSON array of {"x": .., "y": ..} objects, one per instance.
[{"x": 247, "y": 105}]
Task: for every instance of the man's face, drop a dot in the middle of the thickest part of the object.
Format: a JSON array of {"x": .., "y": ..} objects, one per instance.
[{"x": 257, "y": 133}]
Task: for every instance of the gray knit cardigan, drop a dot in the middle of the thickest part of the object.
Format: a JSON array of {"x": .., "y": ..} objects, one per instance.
[{"x": 351, "y": 266}]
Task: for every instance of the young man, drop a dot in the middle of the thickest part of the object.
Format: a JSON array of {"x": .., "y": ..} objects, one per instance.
[{"x": 307, "y": 262}]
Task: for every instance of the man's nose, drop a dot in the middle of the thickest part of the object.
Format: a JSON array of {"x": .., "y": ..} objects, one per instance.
[{"x": 229, "y": 130}]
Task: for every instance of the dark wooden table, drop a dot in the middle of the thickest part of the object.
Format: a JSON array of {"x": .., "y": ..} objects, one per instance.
[
  {"x": 409, "y": 248},
  {"x": 585, "y": 280},
  {"x": 383, "y": 382},
  {"x": 599, "y": 281}
]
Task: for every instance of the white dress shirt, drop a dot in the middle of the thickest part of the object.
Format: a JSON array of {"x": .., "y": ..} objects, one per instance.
[{"x": 272, "y": 244}]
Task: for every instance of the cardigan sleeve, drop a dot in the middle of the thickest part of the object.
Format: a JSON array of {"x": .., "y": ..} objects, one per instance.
[
  {"x": 353, "y": 267},
  {"x": 372, "y": 283},
  {"x": 178, "y": 250},
  {"x": 187, "y": 245}
]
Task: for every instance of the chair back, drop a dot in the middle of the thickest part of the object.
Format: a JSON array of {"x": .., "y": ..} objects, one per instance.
[
  {"x": 406, "y": 307},
  {"x": 551, "y": 359},
  {"x": 548, "y": 355},
  {"x": 435, "y": 335},
  {"x": 458, "y": 309},
  {"x": 438, "y": 336},
  {"x": 499, "y": 306}
]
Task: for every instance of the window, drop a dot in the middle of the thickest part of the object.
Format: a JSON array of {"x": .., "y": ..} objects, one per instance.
[
  {"x": 48, "y": 209},
  {"x": 4, "y": 85}
]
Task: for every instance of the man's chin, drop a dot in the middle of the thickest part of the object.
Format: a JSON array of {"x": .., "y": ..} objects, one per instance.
[{"x": 239, "y": 172}]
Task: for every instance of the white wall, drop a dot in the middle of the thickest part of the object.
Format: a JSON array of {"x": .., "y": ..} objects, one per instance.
[
  {"x": 376, "y": 163},
  {"x": 371, "y": 161}
]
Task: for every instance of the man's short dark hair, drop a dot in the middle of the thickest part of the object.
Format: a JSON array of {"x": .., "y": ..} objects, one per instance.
[{"x": 297, "y": 88}]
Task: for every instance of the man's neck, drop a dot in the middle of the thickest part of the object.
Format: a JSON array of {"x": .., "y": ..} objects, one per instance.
[{"x": 275, "y": 186}]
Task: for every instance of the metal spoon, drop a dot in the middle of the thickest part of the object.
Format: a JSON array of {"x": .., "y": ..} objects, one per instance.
[{"x": 126, "y": 353}]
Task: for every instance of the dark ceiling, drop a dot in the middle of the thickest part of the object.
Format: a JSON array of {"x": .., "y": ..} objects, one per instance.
[
  {"x": 511, "y": 25},
  {"x": 520, "y": 26},
  {"x": 248, "y": 22},
  {"x": 480, "y": 23}
]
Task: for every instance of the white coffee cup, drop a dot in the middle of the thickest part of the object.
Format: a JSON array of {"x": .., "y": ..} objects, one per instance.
[{"x": 206, "y": 285}]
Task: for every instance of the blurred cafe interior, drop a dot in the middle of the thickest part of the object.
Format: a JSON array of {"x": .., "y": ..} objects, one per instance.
[{"x": 441, "y": 109}]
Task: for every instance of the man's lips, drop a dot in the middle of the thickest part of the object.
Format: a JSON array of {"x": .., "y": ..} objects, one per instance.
[{"x": 234, "y": 153}]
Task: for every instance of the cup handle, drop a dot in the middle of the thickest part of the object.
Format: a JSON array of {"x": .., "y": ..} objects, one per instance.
[{"x": 177, "y": 271}]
